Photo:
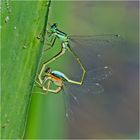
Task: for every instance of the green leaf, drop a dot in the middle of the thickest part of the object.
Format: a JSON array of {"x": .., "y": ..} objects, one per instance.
[{"x": 21, "y": 23}]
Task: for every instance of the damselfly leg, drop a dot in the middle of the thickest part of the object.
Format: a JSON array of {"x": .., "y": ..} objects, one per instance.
[
  {"x": 48, "y": 62},
  {"x": 51, "y": 42}
]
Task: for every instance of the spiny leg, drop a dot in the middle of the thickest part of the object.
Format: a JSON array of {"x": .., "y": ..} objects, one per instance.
[
  {"x": 43, "y": 87},
  {"x": 48, "y": 86},
  {"x": 51, "y": 43},
  {"x": 78, "y": 60},
  {"x": 57, "y": 90},
  {"x": 48, "y": 89},
  {"x": 40, "y": 85}
]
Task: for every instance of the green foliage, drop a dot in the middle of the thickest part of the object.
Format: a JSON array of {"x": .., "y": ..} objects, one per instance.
[
  {"x": 91, "y": 18},
  {"x": 21, "y": 23}
]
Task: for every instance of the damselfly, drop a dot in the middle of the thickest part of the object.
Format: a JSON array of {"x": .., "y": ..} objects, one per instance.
[{"x": 83, "y": 49}]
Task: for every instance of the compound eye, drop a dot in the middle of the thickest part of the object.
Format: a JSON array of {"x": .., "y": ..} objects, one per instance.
[
  {"x": 54, "y": 25},
  {"x": 48, "y": 70}
]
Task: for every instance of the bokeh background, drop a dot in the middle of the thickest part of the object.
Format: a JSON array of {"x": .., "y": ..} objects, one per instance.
[{"x": 114, "y": 113}]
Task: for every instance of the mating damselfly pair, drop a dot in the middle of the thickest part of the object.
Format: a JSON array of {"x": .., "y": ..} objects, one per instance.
[{"x": 87, "y": 51}]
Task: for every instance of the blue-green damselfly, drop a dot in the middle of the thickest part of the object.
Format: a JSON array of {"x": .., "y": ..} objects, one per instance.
[{"x": 68, "y": 44}]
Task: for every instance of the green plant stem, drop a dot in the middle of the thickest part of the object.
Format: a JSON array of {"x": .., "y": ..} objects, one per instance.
[{"x": 21, "y": 23}]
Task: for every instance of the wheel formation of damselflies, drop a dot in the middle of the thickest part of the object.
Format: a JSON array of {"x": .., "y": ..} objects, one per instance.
[
  {"x": 87, "y": 51},
  {"x": 90, "y": 47}
]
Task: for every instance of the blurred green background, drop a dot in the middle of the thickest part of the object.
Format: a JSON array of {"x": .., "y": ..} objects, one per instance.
[{"x": 113, "y": 114}]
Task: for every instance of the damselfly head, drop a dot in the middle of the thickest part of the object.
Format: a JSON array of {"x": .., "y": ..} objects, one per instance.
[
  {"x": 117, "y": 35},
  {"x": 53, "y": 27},
  {"x": 48, "y": 70}
]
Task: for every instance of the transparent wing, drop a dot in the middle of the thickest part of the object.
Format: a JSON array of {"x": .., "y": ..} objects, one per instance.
[
  {"x": 85, "y": 88},
  {"x": 94, "y": 37},
  {"x": 88, "y": 88},
  {"x": 93, "y": 49},
  {"x": 76, "y": 95},
  {"x": 99, "y": 74},
  {"x": 95, "y": 75},
  {"x": 105, "y": 40}
]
